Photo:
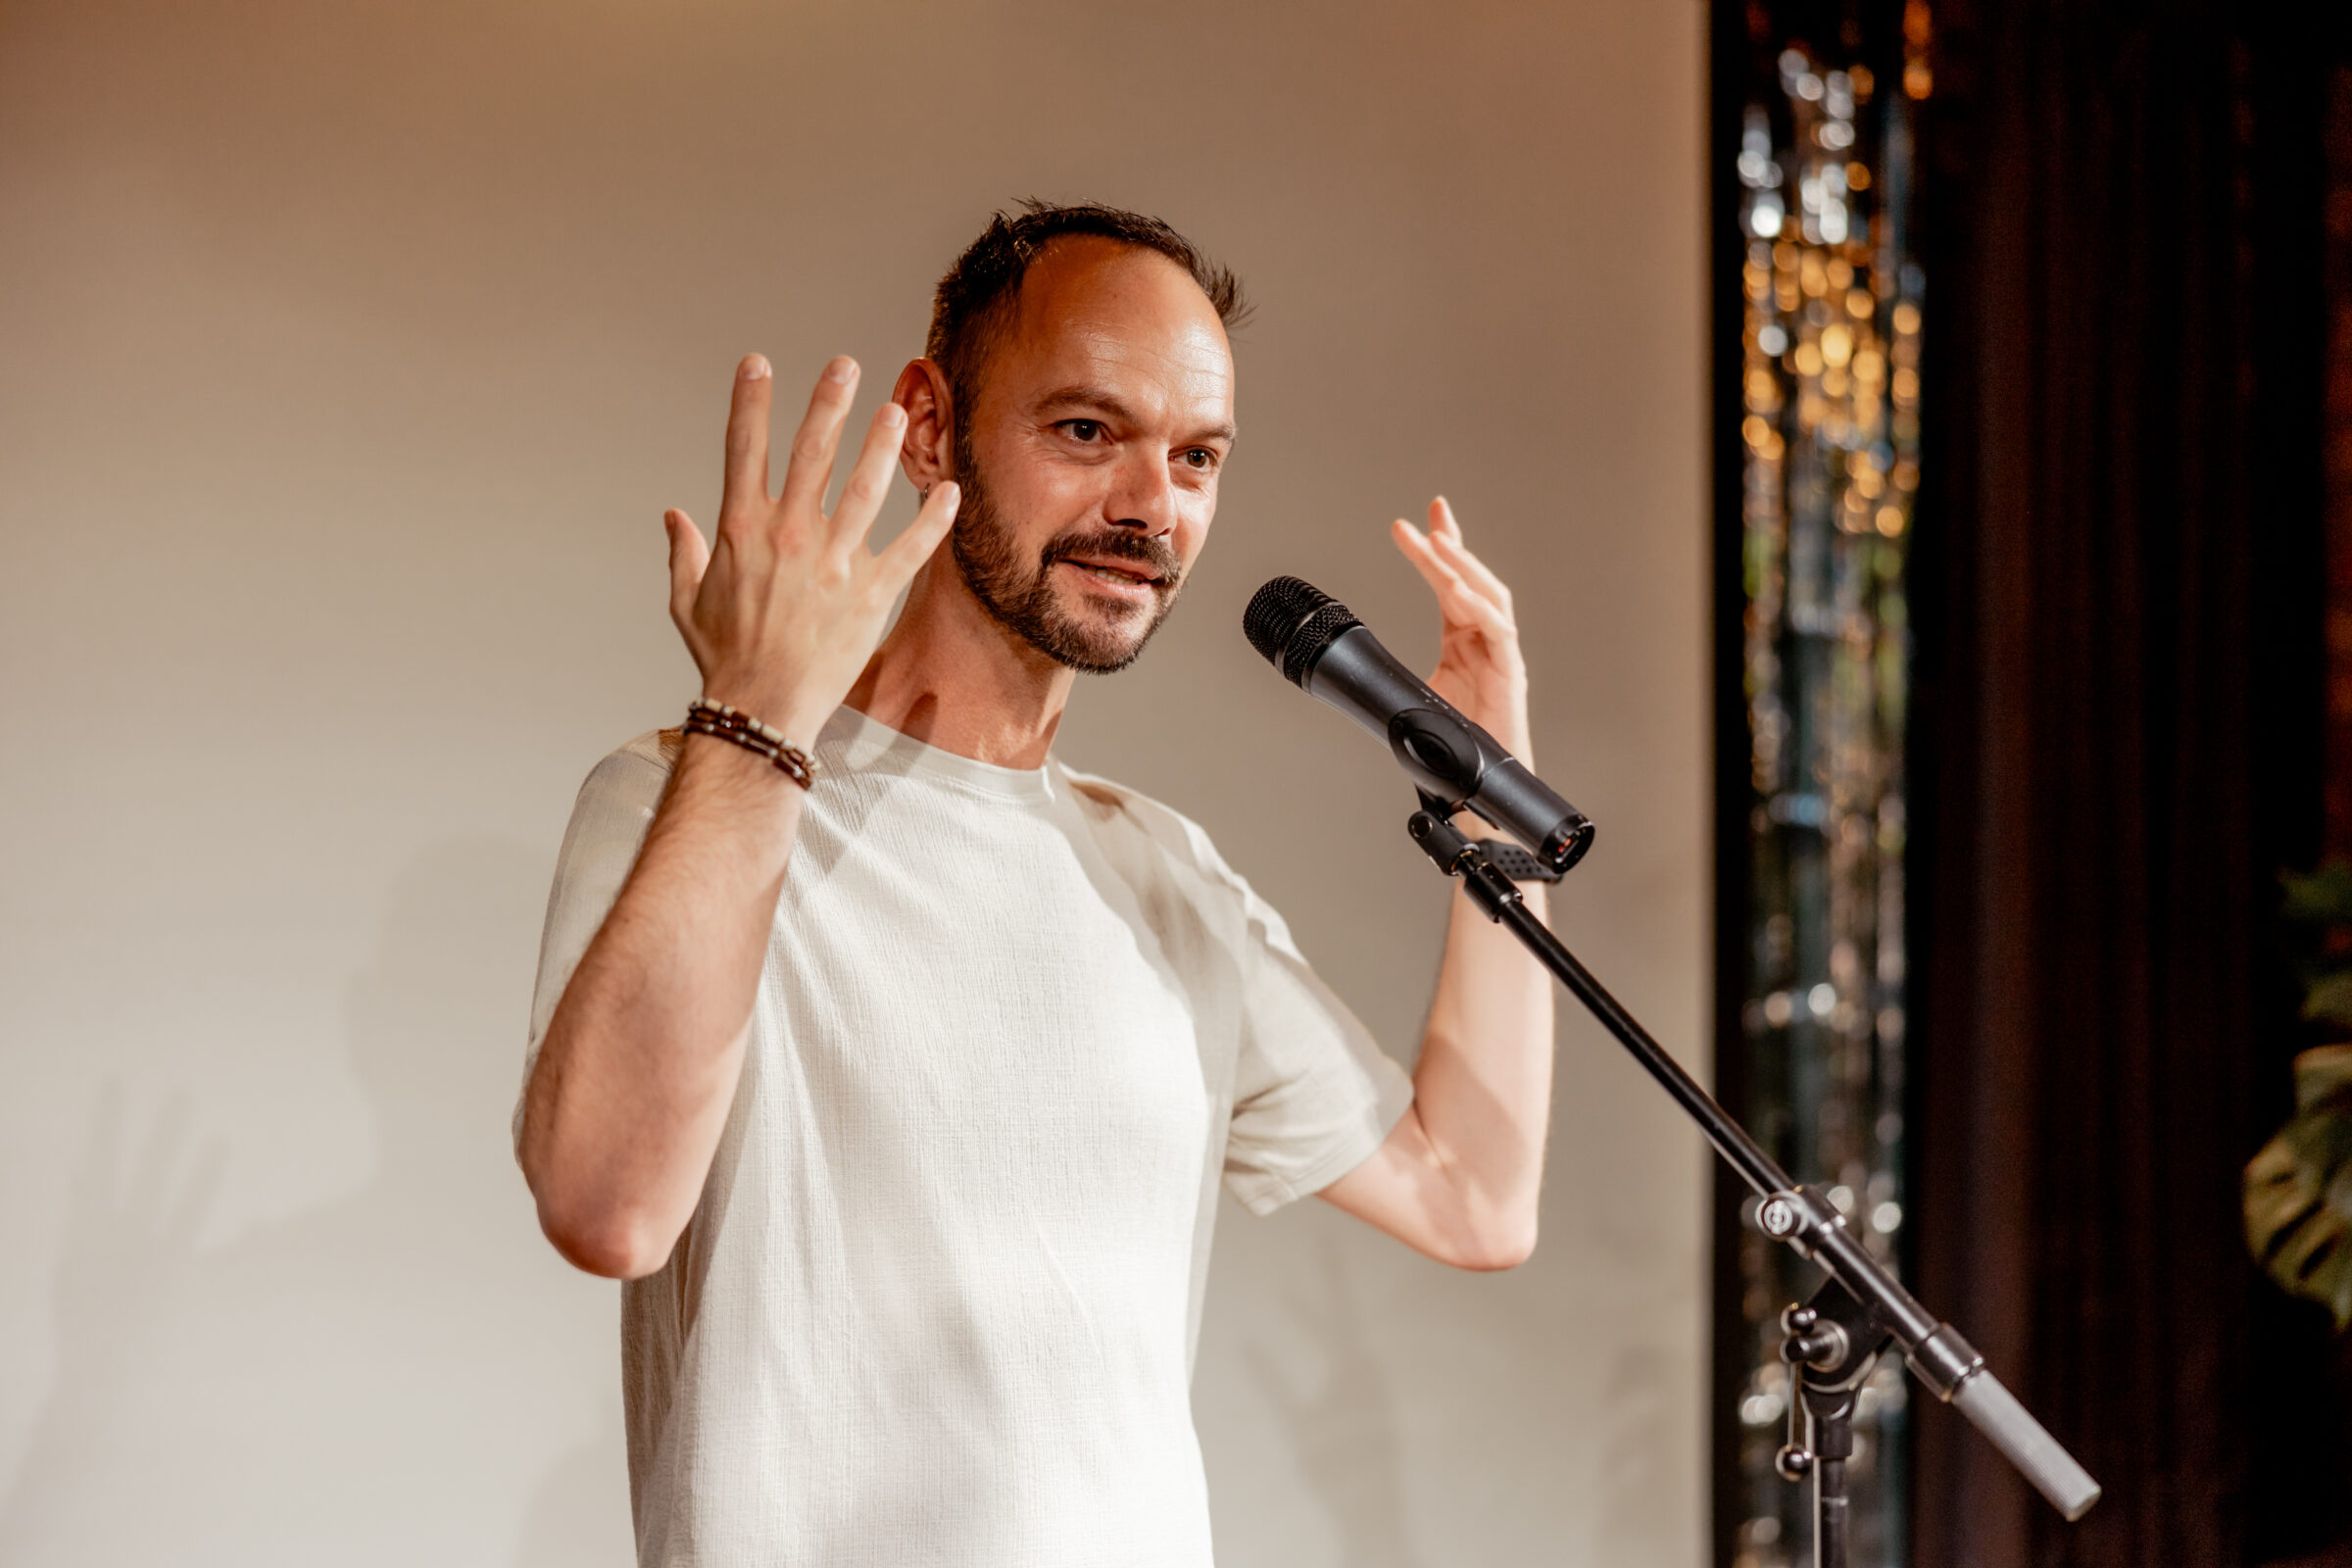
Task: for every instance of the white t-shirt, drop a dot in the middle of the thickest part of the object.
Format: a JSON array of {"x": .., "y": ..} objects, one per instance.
[{"x": 937, "y": 1302}]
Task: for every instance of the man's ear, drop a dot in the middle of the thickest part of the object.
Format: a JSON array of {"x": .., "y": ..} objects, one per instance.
[{"x": 928, "y": 455}]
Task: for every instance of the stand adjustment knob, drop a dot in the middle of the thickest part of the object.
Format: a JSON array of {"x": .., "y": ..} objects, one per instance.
[
  {"x": 1821, "y": 1350},
  {"x": 1793, "y": 1463}
]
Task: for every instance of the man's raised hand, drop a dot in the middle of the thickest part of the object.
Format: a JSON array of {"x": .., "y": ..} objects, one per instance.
[
  {"x": 783, "y": 609},
  {"x": 1479, "y": 669}
]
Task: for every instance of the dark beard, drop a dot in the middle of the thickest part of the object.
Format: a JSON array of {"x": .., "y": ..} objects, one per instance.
[{"x": 1021, "y": 598}]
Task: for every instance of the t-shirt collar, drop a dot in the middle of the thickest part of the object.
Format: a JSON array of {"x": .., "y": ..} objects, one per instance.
[{"x": 853, "y": 743}]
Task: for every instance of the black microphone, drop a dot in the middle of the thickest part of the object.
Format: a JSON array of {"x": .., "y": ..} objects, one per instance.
[{"x": 1323, "y": 649}]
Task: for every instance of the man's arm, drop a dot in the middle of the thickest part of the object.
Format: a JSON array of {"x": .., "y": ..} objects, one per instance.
[
  {"x": 638, "y": 1068},
  {"x": 1458, "y": 1175}
]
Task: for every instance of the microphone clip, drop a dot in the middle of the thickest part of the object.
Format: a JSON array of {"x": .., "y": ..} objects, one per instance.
[
  {"x": 1514, "y": 862},
  {"x": 1457, "y": 855}
]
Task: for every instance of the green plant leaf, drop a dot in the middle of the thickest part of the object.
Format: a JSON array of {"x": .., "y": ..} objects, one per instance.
[{"x": 2298, "y": 1189}]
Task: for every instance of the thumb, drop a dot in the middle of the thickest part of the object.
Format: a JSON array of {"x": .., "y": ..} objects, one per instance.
[{"x": 689, "y": 557}]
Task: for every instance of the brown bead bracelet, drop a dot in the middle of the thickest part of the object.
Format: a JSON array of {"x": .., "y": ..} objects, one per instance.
[{"x": 722, "y": 722}]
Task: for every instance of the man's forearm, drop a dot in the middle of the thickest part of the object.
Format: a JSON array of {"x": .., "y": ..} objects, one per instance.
[
  {"x": 1482, "y": 1086},
  {"x": 639, "y": 1065}
]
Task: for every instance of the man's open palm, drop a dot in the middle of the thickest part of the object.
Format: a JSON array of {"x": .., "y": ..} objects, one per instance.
[{"x": 783, "y": 611}]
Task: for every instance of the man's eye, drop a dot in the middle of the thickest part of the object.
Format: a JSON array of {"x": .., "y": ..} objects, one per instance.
[
  {"x": 1202, "y": 457},
  {"x": 1082, "y": 429}
]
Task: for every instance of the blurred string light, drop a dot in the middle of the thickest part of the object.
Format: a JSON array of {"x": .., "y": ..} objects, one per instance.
[{"x": 1830, "y": 433}]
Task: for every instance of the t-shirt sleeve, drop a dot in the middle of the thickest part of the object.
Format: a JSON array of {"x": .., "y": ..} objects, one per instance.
[
  {"x": 608, "y": 823},
  {"x": 1313, "y": 1093}
]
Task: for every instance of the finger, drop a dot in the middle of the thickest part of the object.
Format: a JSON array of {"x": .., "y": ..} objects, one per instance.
[
  {"x": 1446, "y": 531},
  {"x": 898, "y": 560},
  {"x": 1471, "y": 607},
  {"x": 869, "y": 481},
  {"x": 1458, "y": 601},
  {"x": 813, "y": 444},
  {"x": 1476, "y": 573},
  {"x": 689, "y": 559},
  {"x": 747, "y": 439},
  {"x": 1415, "y": 547}
]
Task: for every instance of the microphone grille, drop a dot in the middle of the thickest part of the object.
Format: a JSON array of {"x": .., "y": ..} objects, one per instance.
[{"x": 1290, "y": 621}]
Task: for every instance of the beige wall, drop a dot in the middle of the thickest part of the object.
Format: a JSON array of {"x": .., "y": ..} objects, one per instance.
[{"x": 348, "y": 353}]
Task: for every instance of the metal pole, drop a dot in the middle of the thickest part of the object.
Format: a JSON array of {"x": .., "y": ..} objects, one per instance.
[{"x": 1800, "y": 1216}]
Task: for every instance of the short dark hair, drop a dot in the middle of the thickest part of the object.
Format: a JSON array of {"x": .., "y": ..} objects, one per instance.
[{"x": 978, "y": 291}]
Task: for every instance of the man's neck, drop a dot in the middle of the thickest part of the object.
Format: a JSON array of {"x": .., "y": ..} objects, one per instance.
[{"x": 953, "y": 676}]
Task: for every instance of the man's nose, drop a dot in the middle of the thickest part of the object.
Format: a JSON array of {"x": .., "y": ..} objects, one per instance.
[{"x": 1144, "y": 495}]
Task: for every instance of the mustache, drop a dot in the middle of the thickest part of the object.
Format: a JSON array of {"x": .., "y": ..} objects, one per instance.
[{"x": 1118, "y": 545}]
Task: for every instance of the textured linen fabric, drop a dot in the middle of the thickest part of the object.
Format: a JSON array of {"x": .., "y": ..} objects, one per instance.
[{"x": 938, "y": 1299}]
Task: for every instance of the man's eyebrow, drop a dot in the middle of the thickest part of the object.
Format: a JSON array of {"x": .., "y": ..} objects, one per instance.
[
  {"x": 1085, "y": 397},
  {"x": 1098, "y": 400}
]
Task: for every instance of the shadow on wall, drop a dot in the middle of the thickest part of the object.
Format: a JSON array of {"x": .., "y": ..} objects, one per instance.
[
  {"x": 579, "y": 1514},
  {"x": 390, "y": 1378},
  {"x": 1344, "y": 1430}
]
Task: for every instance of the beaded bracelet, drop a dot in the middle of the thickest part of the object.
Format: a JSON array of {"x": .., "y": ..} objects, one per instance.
[{"x": 722, "y": 722}]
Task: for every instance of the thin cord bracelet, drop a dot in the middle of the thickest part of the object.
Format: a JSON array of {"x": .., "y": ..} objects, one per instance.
[{"x": 721, "y": 722}]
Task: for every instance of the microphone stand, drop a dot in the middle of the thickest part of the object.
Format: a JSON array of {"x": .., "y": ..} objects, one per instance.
[{"x": 1836, "y": 1336}]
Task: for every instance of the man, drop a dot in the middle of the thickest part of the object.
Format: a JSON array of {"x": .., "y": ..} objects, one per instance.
[{"x": 899, "y": 1087}]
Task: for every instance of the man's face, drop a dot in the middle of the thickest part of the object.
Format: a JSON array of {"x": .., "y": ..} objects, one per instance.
[{"x": 1105, "y": 414}]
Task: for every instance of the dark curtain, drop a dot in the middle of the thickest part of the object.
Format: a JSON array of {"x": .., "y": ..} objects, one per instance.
[{"x": 2118, "y": 581}]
